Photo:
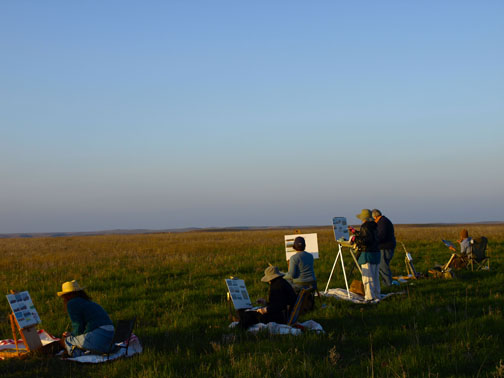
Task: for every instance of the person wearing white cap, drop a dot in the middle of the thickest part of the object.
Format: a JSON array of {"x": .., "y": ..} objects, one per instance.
[{"x": 92, "y": 329}]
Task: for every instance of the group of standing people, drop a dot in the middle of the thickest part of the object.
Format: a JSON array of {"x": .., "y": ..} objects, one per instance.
[{"x": 375, "y": 242}]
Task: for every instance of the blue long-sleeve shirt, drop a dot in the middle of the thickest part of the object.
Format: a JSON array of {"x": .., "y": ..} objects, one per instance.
[
  {"x": 86, "y": 316},
  {"x": 301, "y": 268}
]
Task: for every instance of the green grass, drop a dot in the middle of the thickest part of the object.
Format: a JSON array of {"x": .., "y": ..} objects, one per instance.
[{"x": 174, "y": 284}]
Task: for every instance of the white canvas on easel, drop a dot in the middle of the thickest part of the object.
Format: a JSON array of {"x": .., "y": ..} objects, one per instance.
[
  {"x": 311, "y": 245},
  {"x": 239, "y": 294}
]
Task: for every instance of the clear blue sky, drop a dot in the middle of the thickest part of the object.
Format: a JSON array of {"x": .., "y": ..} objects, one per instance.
[{"x": 163, "y": 114}]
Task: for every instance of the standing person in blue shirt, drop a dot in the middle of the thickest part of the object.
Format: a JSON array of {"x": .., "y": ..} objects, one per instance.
[
  {"x": 92, "y": 329},
  {"x": 301, "y": 272},
  {"x": 366, "y": 240},
  {"x": 387, "y": 244}
]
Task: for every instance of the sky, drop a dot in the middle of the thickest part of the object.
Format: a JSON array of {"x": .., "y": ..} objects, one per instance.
[{"x": 173, "y": 114}]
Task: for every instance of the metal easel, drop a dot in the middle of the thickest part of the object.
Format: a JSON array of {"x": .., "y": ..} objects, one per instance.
[{"x": 342, "y": 244}]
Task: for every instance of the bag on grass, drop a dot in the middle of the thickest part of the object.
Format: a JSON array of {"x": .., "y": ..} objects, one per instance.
[{"x": 357, "y": 287}]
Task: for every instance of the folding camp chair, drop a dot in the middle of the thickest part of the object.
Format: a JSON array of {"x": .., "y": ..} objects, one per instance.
[
  {"x": 298, "y": 305},
  {"x": 478, "y": 258},
  {"x": 122, "y": 334}
]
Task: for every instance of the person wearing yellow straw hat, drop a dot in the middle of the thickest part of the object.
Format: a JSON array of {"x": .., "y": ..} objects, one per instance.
[{"x": 92, "y": 329}]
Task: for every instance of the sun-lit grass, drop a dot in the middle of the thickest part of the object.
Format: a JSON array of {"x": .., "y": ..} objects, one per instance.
[{"x": 174, "y": 284}]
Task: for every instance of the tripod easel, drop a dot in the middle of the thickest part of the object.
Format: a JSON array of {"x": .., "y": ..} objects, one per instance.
[{"x": 342, "y": 244}]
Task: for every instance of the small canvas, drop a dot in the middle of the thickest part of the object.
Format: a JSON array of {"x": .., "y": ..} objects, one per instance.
[
  {"x": 239, "y": 294},
  {"x": 23, "y": 309},
  {"x": 311, "y": 245},
  {"x": 448, "y": 243},
  {"x": 340, "y": 228}
]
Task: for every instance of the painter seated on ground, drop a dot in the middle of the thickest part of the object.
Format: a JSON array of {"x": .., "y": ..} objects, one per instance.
[
  {"x": 281, "y": 297},
  {"x": 301, "y": 274},
  {"x": 92, "y": 329}
]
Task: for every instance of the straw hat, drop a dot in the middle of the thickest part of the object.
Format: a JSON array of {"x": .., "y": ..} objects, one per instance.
[
  {"x": 365, "y": 214},
  {"x": 270, "y": 273},
  {"x": 69, "y": 287}
]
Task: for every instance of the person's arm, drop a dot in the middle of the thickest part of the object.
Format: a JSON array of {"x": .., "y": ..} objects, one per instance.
[
  {"x": 362, "y": 239},
  {"x": 276, "y": 300},
  {"x": 381, "y": 228},
  {"x": 293, "y": 269},
  {"x": 76, "y": 318},
  {"x": 291, "y": 296},
  {"x": 465, "y": 247}
]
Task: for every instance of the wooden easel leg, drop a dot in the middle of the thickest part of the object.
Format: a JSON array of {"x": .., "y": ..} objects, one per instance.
[{"x": 14, "y": 335}]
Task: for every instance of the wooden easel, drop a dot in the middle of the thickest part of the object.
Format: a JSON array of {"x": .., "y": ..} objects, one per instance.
[
  {"x": 29, "y": 335},
  {"x": 410, "y": 268}
]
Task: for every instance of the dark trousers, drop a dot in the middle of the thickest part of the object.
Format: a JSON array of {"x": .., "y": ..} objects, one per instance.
[
  {"x": 385, "y": 273},
  {"x": 248, "y": 318}
]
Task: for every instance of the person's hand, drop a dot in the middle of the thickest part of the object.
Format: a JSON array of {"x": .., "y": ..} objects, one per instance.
[
  {"x": 262, "y": 310},
  {"x": 62, "y": 339},
  {"x": 261, "y": 301},
  {"x": 453, "y": 249}
]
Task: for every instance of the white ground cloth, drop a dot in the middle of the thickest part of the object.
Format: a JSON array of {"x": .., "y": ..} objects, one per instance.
[
  {"x": 134, "y": 348},
  {"x": 355, "y": 298},
  {"x": 283, "y": 329}
]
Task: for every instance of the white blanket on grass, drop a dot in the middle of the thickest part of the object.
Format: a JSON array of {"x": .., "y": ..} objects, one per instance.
[
  {"x": 355, "y": 298},
  {"x": 134, "y": 348},
  {"x": 283, "y": 329}
]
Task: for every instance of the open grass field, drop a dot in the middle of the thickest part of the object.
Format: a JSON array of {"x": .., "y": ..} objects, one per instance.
[{"x": 174, "y": 284}]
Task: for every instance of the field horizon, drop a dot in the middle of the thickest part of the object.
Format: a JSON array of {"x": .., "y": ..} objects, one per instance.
[{"x": 137, "y": 231}]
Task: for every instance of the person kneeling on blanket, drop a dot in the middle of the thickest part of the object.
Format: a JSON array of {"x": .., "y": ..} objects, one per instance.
[
  {"x": 92, "y": 329},
  {"x": 281, "y": 297}
]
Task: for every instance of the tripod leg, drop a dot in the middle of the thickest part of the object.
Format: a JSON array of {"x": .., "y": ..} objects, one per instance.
[
  {"x": 344, "y": 273},
  {"x": 332, "y": 271}
]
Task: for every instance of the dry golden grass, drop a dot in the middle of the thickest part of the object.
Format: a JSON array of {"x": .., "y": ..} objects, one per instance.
[{"x": 174, "y": 284}]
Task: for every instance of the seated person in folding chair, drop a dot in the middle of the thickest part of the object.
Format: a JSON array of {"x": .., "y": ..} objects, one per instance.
[
  {"x": 281, "y": 297},
  {"x": 92, "y": 329},
  {"x": 301, "y": 273},
  {"x": 461, "y": 261},
  {"x": 465, "y": 243}
]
